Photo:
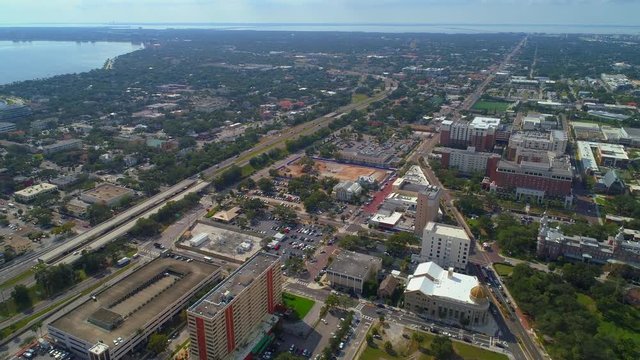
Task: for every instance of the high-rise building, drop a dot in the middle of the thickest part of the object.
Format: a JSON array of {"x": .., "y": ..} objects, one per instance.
[
  {"x": 237, "y": 312},
  {"x": 467, "y": 161},
  {"x": 427, "y": 207},
  {"x": 554, "y": 141},
  {"x": 446, "y": 245},
  {"x": 479, "y": 133}
]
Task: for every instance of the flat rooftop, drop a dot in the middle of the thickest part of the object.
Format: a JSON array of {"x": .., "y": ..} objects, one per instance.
[
  {"x": 106, "y": 192},
  {"x": 481, "y": 122},
  {"x": 218, "y": 298},
  {"x": 446, "y": 230},
  {"x": 36, "y": 189},
  {"x": 353, "y": 263},
  {"x": 432, "y": 280},
  {"x": 157, "y": 285}
]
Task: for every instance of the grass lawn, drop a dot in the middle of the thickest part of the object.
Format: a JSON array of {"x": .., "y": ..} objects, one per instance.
[
  {"x": 300, "y": 305},
  {"x": 463, "y": 351},
  {"x": 491, "y": 106},
  {"x": 503, "y": 269},
  {"x": 17, "y": 279},
  {"x": 358, "y": 98},
  {"x": 588, "y": 302},
  {"x": 247, "y": 170}
]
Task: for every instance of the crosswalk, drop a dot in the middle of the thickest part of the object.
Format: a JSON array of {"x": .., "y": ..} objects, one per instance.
[
  {"x": 360, "y": 306},
  {"x": 148, "y": 253},
  {"x": 367, "y": 317}
]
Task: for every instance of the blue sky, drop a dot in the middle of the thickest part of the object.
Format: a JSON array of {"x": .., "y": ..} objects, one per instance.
[{"x": 609, "y": 12}]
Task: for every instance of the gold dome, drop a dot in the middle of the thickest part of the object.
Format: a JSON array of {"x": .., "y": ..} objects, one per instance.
[{"x": 479, "y": 294}]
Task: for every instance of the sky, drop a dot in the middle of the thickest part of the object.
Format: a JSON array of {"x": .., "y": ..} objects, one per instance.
[{"x": 584, "y": 12}]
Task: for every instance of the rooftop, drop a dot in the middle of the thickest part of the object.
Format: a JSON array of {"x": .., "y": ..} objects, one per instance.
[
  {"x": 387, "y": 219},
  {"x": 221, "y": 295},
  {"x": 432, "y": 280},
  {"x": 35, "y": 189},
  {"x": 354, "y": 264},
  {"x": 446, "y": 230},
  {"x": 106, "y": 192},
  {"x": 481, "y": 122},
  {"x": 166, "y": 281}
]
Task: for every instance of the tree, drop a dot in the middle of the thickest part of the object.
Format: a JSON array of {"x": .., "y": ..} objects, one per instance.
[
  {"x": 388, "y": 347},
  {"x": 21, "y": 297},
  {"x": 266, "y": 185},
  {"x": 98, "y": 213},
  {"x": 157, "y": 343},
  {"x": 146, "y": 228},
  {"x": 285, "y": 215},
  {"x": 442, "y": 348},
  {"x": 369, "y": 339}
]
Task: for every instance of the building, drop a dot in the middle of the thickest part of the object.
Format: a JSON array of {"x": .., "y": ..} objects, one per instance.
[
  {"x": 347, "y": 190},
  {"x": 386, "y": 219},
  {"x": 539, "y": 122},
  {"x": 446, "y": 245},
  {"x": 106, "y": 194},
  {"x": 610, "y": 183},
  {"x": 616, "y": 82},
  {"x": 467, "y": 161},
  {"x": 427, "y": 208},
  {"x": 126, "y": 313},
  {"x": 349, "y": 270},
  {"x": 388, "y": 286},
  {"x": 411, "y": 183},
  {"x": 227, "y": 216},
  {"x": 99, "y": 351},
  {"x": 479, "y": 133},
  {"x": 555, "y": 141},
  {"x": 586, "y": 131},
  {"x": 533, "y": 180},
  {"x": 6, "y": 127},
  {"x": 446, "y": 295},
  {"x": 14, "y": 110},
  {"x": 64, "y": 181},
  {"x": 552, "y": 244},
  {"x": 32, "y": 192},
  {"x": 238, "y": 313},
  {"x": 593, "y": 154},
  {"x": 64, "y": 145}
]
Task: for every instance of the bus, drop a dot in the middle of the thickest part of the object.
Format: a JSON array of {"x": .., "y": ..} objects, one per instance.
[{"x": 208, "y": 259}]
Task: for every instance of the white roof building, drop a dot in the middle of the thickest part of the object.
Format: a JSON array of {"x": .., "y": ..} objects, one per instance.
[
  {"x": 482, "y": 122},
  {"x": 440, "y": 293}
]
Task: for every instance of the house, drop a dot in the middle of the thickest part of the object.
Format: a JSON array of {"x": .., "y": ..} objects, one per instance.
[
  {"x": 388, "y": 286},
  {"x": 610, "y": 183}
]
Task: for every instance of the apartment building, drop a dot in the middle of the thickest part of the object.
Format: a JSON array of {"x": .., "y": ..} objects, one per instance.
[
  {"x": 235, "y": 315},
  {"x": 64, "y": 145},
  {"x": 446, "y": 245},
  {"x": 479, "y": 133},
  {"x": 555, "y": 141},
  {"x": 467, "y": 161}
]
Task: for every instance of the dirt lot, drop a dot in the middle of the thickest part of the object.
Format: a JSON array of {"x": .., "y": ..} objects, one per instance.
[{"x": 337, "y": 170}]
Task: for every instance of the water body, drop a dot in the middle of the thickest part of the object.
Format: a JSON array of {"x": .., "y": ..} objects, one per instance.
[
  {"x": 42, "y": 59},
  {"x": 451, "y": 28}
]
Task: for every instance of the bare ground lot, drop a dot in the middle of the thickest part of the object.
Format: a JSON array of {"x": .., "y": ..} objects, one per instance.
[{"x": 336, "y": 170}]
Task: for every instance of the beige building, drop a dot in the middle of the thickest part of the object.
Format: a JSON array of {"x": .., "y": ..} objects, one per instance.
[
  {"x": 427, "y": 207},
  {"x": 106, "y": 194},
  {"x": 446, "y": 245},
  {"x": 349, "y": 270},
  {"x": 446, "y": 295},
  {"x": 235, "y": 315},
  {"x": 32, "y": 192}
]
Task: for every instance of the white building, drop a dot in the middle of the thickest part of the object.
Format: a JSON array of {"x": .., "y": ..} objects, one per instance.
[
  {"x": 347, "y": 190},
  {"x": 7, "y": 127},
  {"x": 446, "y": 295},
  {"x": 32, "y": 192},
  {"x": 466, "y": 161},
  {"x": 446, "y": 245},
  {"x": 555, "y": 141}
]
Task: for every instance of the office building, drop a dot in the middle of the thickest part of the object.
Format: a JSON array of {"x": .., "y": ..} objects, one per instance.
[
  {"x": 466, "y": 161},
  {"x": 533, "y": 180},
  {"x": 234, "y": 317},
  {"x": 427, "y": 207},
  {"x": 479, "y": 133},
  {"x": 445, "y": 295},
  {"x": 126, "y": 313},
  {"x": 64, "y": 145},
  {"x": 446, "y": 245},
  {"x": 411, "y": 183},
  {"x": 349, "y": 270},
  {"x": 32, "y": 192}
]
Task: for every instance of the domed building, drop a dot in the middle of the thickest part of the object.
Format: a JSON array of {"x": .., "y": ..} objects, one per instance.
[{"x": 446, "y": 295}]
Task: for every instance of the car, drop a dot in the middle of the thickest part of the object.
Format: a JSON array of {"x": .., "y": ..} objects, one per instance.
[
  {"x": 381, "y": 306},
  {"x": 341, "y": 346}
]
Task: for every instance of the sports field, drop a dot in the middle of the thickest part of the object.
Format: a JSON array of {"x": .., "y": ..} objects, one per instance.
[{"x": 491, "y": 106}]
